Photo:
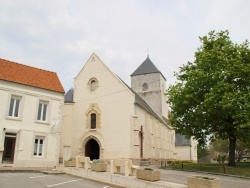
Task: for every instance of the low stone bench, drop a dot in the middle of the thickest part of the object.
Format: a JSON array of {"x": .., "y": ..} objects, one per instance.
[
  {"x": 116, "y": 164},
  {"x": 82, "y": 161}
]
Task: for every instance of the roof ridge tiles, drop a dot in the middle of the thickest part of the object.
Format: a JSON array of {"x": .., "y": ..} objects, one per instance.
[
  {"x": 26, "y": 65},
  {"x": 27, "y": 75}
]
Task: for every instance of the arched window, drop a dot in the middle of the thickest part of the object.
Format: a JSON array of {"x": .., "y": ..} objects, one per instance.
[
  {"x": 145, "y": 87},
  {"x": 93, "y": 121},
  {"x": 93, "y": 117},
  {"x": 93, "y": 85}
]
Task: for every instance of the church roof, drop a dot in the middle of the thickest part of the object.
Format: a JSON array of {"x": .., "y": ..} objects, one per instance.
[
  {"x": 139, "y": 101},
  {"x": 180, "y": 140},
  {"x": 143, "y": 104},
  {"x": 31, "y": 76},
  {"x": 145, "y": 68}
]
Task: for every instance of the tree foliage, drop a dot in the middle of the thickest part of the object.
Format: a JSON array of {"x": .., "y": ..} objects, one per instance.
[
  {"x": 242, "y": 147},
  {"x": 202, "y": 151},
  {"x": 212, "y": 93},
  {"x": 220, "y": 145}
]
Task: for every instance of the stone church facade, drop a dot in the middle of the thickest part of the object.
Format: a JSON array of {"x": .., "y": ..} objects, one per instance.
[{"x": 104, "y": 118}]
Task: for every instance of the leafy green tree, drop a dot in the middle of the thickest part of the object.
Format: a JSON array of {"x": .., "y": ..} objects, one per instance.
[
  {"x": 212, "y": 93},
  {"x": 219, "y": 158},
  {"x": 202, "y": 151}
]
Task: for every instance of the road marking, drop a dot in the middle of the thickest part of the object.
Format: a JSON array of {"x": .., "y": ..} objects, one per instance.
[
  {"x": 63, "y": 183},
  {"x": 179, "y": 184},
  {"x": 40, "y": 176}
]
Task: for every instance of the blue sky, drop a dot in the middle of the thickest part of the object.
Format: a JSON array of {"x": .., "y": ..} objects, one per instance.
[{"x": 60, "y": 35}]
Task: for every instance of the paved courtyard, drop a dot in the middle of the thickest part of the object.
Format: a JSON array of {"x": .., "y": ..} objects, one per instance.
[
  {"x": 17, "y": 179},
  {"x": 40, "y": 180}
]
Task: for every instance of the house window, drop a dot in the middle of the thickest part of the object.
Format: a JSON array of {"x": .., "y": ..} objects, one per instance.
[
  {"x": 39, "y": 146},
  {"x": 93, "y": 121},
  {"x": 14, "y": 106},
  {"x": 42, "y": 111},
  {"x": 145, "y": 87}
]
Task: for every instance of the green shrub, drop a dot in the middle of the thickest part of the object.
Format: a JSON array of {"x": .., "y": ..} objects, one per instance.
[
  {"x": 98, "y": 161},
  {"x": 148, "y": 169}
]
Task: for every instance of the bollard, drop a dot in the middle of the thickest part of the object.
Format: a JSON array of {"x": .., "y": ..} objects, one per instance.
[{"x": 224, "y": 169}]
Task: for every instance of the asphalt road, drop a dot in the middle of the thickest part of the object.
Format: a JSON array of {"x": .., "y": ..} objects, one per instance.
[
  {"x": 39, "y": 180},
  {"x": 226, "y": 181}
]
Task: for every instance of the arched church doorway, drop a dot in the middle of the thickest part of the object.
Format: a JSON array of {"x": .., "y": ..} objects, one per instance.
[{"x": 92, "y": 149}]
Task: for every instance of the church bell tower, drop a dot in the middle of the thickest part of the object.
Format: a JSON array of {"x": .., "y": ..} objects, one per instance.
[{"x": 150, "y": 84}]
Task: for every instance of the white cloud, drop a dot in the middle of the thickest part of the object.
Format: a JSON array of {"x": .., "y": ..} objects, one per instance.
[{"x": 61, "y": 35}]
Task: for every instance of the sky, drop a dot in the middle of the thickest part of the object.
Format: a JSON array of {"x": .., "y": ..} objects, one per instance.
[{"x": 60, "y": 35}]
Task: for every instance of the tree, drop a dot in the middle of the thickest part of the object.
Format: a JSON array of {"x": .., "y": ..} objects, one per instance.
[
  {"x": 220, "y": 145},
  {"x": 212, "y": 93},
  {"x": 202, "y": 151},
  {"x": 241, "y": 149}
]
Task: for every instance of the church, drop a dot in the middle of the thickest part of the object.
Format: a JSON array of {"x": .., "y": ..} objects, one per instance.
[{"x": 104, "y": 118}]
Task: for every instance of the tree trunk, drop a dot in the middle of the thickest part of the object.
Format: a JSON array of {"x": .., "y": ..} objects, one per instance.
[{"x": 232, "y": 147}]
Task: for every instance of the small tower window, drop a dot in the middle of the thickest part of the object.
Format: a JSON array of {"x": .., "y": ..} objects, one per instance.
[
  {"x": 145, "y": 87},
  {"x": 93, "y": 121}
]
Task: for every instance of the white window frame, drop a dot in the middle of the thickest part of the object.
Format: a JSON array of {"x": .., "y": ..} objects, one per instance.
[
  {"x": 11, "y": 115},
  {"x": 40, "y": 112},
  {"x": 37, "y": 148}
]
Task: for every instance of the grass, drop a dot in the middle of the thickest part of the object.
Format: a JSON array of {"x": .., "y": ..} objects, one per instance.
[{"x": 241, "y": 169}]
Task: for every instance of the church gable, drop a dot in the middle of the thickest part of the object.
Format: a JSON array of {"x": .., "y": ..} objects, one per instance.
[
  {"x": 96, "y": 78},
  {"x": 92, "y": 58}
]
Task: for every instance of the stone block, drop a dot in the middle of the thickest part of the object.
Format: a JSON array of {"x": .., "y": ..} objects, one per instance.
[
  {"x": 70, "y": 163},
  {"x": 149, "y": 175},
  {"x": 99, "y": 167},
  {"x": 202, "y": 182}
]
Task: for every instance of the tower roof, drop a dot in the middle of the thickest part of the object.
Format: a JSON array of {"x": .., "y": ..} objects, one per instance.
[{"x": 145, "y": 68}]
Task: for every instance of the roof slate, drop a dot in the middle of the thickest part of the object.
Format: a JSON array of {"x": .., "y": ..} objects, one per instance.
[
  {"x": 180, "y": 140},
  {"x": 143, "y": 104},
  {"x": 31, "y": 76},
  {"x": 145, "y": 68},
  {"x": 69, "y": 96}
]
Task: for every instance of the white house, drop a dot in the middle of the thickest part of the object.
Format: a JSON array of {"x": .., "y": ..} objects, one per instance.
[
  {"x": 186, "y": 149},
  {"x": 31, "y": 101},
  {"x": 104, "y": 118}
]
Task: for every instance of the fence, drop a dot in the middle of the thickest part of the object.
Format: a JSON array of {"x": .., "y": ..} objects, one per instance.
[{"x": 242, "y": 170}]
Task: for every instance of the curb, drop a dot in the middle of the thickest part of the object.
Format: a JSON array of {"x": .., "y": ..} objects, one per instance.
[{"x": 213, "y": 173}]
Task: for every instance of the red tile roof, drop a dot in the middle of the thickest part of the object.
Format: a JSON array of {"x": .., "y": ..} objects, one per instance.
[{"x": 31, "y": 76}]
